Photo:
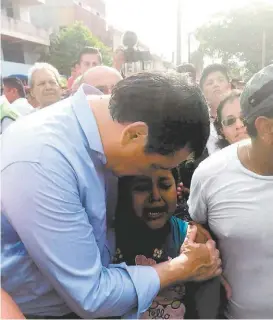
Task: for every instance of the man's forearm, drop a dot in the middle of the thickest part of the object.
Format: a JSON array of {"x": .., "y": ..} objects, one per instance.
[{"x": 172, "y": 271}]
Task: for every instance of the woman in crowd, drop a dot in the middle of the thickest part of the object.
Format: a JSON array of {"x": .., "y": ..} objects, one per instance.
[
  {"x": 229, "y": 123},
  {"x": 146, "y": 233},
  {"x": 230, "y": 127}
]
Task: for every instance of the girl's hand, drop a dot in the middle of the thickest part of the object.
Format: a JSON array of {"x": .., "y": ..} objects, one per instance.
[
  {"x": 202, "y": 234},
  {"x": 181, "y": 190}
]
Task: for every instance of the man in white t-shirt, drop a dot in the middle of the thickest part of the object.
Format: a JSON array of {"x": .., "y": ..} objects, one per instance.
[
  {"x": 232, "y": 192},
  {"x": 215, "y": 84}
]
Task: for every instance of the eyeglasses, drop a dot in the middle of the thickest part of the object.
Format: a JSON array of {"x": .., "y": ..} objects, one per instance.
[{"x": 231, "y": 120}]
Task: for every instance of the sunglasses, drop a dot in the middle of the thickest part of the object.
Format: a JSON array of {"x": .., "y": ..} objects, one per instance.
[{"x": 231, "y": 120}]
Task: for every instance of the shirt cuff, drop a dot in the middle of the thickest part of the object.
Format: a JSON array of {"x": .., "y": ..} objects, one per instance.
[{"x": 147, "y": 285}]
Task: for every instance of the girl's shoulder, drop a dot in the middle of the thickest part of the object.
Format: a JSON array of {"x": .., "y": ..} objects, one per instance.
[
  {"x": 179, "y": 231},
  {"x": 179, "y": 225}
]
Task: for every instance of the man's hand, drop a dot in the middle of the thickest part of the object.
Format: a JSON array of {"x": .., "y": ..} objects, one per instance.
[
  {"x": 203, "y": 260},
  {"x": 196, "y": 262},
  {"x": 203, "y": 236}
]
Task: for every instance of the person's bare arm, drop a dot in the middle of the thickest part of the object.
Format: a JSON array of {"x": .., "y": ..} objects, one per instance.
[
  {"x": 9, "y": 309},
  {"x": 195, "y": 262}
]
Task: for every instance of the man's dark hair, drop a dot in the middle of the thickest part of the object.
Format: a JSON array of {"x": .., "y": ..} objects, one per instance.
[
  {"x": 89, "y": 50},
  {"x": 213, "y": 68},
  {"x": 230, "y": 97},
  {"x": 174, "y": 110},
  {"x": 187, "y": 68},
  {"x": 74, "y": 64},
  {"x": 12, "y": 82}
]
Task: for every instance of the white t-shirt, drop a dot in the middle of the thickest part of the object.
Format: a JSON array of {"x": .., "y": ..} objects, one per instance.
[
  {"x": 22, "y": 107},
  {"x": 238, "y": 206},
  {"x": 212, "y": 141}
]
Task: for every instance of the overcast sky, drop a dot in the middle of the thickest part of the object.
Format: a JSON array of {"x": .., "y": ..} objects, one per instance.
[{"x": 154, "y": 21}]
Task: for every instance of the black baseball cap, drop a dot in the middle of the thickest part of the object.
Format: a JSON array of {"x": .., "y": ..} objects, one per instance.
[{"x": 257, "y": 97}]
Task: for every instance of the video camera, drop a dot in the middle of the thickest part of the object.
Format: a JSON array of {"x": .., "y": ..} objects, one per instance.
[{"x": 132, "y": 54}]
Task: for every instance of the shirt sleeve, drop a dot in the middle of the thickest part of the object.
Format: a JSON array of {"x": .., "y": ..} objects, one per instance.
[
  {"x": 43, "y": 205},
  {"x": 197, "y": 203},
  {"x": 6, "y": 122}
]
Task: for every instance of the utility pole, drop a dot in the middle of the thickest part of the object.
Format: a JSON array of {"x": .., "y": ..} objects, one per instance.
[
  {"x": 263, "y": 48},
  {"x": 189, "y": 48},
  {"x": 178, "y": 33},
  {"x": 173, "y": 60}
]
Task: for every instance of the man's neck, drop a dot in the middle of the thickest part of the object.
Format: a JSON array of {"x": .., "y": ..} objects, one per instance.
[
  {"x": 108, "y": 129},
  {"x": 257, "y": 158}
]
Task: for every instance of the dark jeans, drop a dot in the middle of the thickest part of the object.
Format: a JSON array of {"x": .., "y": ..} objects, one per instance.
[
  {"x": 202, "y": 299},
  {"x": 66, "y": 316}
]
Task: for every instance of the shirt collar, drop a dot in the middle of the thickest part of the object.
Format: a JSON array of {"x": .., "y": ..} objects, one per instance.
[
  {"x": 19, "y": 100},
  {"x": 87, "y": 121}
]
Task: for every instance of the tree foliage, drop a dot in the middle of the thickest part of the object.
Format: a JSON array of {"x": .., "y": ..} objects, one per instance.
[
  {"x": 237, "y": 35},
  {"x": 66, "y": 44}
]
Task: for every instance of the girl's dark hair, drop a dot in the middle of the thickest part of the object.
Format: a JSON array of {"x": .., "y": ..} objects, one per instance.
[{"x": 230, "y": 97}]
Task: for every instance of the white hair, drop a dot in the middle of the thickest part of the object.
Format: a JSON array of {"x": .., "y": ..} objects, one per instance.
[{"x": 39, "y": 66}]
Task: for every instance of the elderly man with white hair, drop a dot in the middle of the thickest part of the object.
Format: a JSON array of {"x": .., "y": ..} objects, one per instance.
[
  {"x": 102, "y": 78},
  {"x": 44, "y": 83}
]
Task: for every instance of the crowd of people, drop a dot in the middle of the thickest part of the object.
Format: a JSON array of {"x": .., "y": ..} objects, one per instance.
[
  {"x": 147, "y": 196},
  {"x": 45, "y": 85}
]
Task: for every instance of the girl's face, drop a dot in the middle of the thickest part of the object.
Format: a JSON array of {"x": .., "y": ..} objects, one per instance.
[
  {"x": 154, "y": 199},
  {"x": 233, "y": 127}
]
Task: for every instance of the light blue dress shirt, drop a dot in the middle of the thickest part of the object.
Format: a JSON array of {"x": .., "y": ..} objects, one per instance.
[{"x": 55, "y": 258}]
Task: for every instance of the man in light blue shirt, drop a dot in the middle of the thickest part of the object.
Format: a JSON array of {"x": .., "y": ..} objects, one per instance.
[{"x": 57, "y": 172}]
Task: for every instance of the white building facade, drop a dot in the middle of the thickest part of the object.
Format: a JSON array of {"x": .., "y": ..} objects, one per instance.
[{"x": 21, "y": 41}]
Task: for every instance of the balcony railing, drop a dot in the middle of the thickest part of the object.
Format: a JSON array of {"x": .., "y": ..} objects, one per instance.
[
  {"x": 22, "y": 30},
  {"x": 31, "y": 2}
]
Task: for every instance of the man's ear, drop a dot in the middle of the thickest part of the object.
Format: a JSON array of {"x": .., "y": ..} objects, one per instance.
[
  {"x": 264, "y": 127},
  {"x": 14, "y": 91},
  {"x": 135, "y": 133},
  {"x": 31, "y": 93}
]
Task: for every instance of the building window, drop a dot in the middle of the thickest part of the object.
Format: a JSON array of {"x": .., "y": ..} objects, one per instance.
[
  {"x": 12, "y": 52},
  {"x": 6, "y": 6},
  {"x": 10, "y": 12}
]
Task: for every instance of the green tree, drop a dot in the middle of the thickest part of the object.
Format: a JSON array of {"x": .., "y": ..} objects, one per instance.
[
  {"x": 237, "y": 36},
  {"x": 66, "y": 44}
]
